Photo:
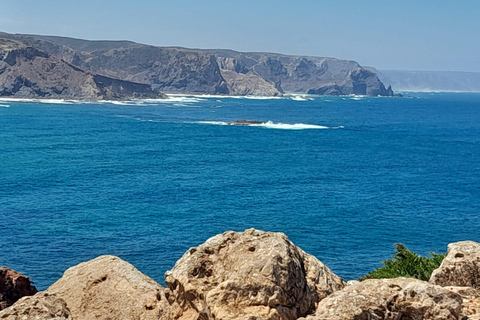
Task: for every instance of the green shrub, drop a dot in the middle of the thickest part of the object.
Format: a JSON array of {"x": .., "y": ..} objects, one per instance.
[{"x": 406, "y": 263}]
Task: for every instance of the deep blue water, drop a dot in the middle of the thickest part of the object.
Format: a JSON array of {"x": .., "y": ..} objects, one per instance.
[{"x": 148, "y": 181}]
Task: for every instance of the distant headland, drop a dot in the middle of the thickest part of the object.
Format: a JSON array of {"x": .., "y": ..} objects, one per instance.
[{"x": 35, "y": 66}]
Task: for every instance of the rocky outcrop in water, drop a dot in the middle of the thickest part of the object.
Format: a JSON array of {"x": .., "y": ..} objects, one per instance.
[
  {"x": 181, "y": 70},
  {"x": 28, "y": 72},
  {"x": 13, "y": 286}
]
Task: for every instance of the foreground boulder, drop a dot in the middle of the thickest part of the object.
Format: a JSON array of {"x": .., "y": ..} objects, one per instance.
[
  {"x": 13, "y": 286},
  {"x": 461, "y": 266},
  {"x": 248, "y": 275},
  {"x": 40, "y": 306},
  {"x": 109, "y": 288},
  {"x": 389, "y": 299},
  {"x": 471, "y": 302}
]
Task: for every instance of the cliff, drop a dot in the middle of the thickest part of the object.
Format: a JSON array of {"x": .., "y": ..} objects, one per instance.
[
  {"x": 298, "y": 74},
  {"x": 196, "y": 71},
  {"x": 29, "y": 72}
]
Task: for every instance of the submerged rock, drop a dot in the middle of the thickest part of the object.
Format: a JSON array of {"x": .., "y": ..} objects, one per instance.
[
  {"x": 248, "y": 275},
  {"x": 40, "y": 306},
  {"x": 244, "y": 122},
  {"x": 13, "y": 286},
  {"x": 390, "y": 299},
  {"x": 109, "y": 288},
  {"x": 461, "y": 266}
]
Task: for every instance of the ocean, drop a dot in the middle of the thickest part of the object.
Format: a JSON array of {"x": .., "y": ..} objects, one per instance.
[{"x": 344, "y": 177}]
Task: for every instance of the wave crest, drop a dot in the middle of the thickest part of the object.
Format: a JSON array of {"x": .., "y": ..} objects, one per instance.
[{"x": 270, "y": 125}]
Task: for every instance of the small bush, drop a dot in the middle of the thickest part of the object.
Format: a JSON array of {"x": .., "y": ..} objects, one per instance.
[{"x": 406, "y": 263}]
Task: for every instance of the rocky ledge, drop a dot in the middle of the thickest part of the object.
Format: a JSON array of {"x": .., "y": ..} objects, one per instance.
[{"x": 249, "y": 275}]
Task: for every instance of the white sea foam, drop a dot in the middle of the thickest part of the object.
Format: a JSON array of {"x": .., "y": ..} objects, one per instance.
[
  {"x": 49, "y": 101},
  {"x": 273, "y": 125},
  {"x": 181, "y": 99},
  {"x": 184, "y": 105},
  {"x": 301, "y": 97},
  {"x": 262, "y": 98},
  {"x": 4, "y": 106},
  {"x": 295, "y": 126},
  {"x": 209, "y": 96}
]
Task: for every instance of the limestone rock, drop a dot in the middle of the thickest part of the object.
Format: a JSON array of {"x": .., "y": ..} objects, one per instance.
[
  {"x": 461, "y": 266},
  {"x": 248, "y": 275},
  {"x": 471, "y": 301},
  {"x": 38, "y": 307},
  {"x": 389, "y": 299},
  {"x": 13, "y": 286},
  {"x": 110, "y": 288}
]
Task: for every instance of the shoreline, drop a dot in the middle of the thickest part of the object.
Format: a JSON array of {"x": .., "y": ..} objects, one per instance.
[
  {"x": 177, "y": 97},
  {"x": 246, "y": 275}
]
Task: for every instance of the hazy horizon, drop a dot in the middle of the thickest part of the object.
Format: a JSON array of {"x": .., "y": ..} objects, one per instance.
[{"x": 406, "y": 36}]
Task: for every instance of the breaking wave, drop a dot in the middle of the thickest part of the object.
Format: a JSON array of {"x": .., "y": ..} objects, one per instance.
[{"x": 272, "y": 125}]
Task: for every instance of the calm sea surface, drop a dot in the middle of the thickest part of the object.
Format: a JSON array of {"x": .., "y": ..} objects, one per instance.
[{"x": 146, "y": 181}]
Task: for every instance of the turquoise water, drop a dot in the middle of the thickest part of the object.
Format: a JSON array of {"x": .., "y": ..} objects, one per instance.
[{"x": 146, "y": 181}]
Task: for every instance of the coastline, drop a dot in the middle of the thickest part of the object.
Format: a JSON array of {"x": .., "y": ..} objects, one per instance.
[
  {"x": 246, "y": 275},
  {"x": 180, "y": 97}
]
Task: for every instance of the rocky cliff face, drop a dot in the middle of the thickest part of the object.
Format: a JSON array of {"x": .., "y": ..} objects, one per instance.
[
  {"x": 29, "y": 72},
  {"x": 174, "y": 70},
  {"x": 296, "y": 74},
  {"x": 181, "y": 70}
]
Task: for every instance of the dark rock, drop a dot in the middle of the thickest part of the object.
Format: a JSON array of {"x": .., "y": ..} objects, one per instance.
[
  {"x": 121, "y": 90},
  {"x": 27, "y": 72},
  {"x": 13, "y": 286},
  {"x": 244, "y": 122}
]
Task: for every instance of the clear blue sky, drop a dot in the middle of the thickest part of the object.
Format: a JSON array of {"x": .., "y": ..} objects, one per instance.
[{"x": 402, "y": 35}]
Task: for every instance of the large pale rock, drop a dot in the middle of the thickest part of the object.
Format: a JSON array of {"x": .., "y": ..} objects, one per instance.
[
  {"x": 13, "y": 286},
  {"x": 248, "y": 275},
  {"x": 110, "y": 288},
  {"x": 390, "y": 299},
  {"x": 461, "y": 266},
  {"x": 38, "y": 307}
]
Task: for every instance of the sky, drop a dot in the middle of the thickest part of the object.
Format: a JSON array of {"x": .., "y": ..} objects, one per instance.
[{"x": 434, "y": 35}]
